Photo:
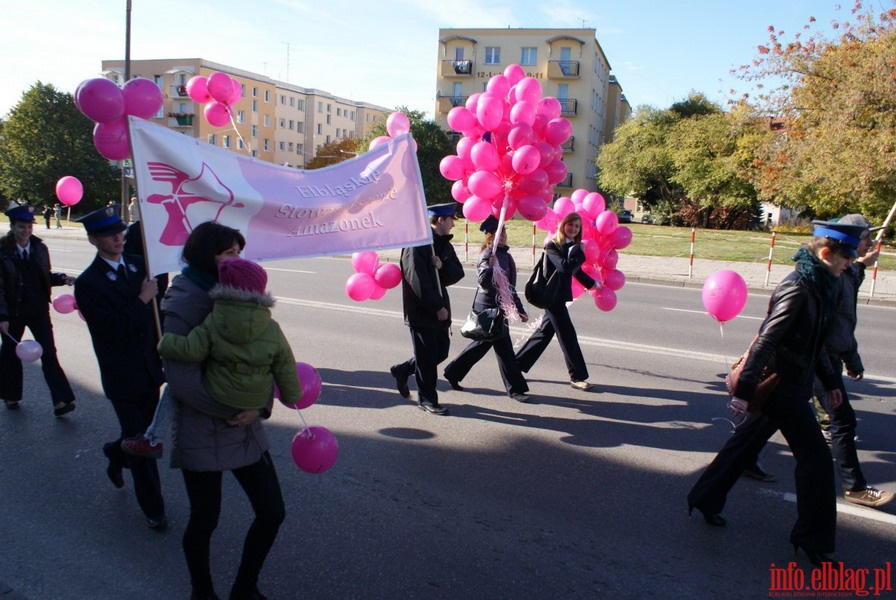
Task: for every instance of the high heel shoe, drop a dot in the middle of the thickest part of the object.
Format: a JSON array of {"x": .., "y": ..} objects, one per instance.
[
  {"x": 714, "y": 519},
  {"x": 816, "y": 558}
]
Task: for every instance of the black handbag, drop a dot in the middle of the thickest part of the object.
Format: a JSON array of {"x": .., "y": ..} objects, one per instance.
[
  {"x": 483, "y": 326},
  {"x": 542, "y": 291}
]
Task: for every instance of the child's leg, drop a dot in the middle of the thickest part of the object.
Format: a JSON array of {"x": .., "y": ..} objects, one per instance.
[{"x": 161, "y": 421}]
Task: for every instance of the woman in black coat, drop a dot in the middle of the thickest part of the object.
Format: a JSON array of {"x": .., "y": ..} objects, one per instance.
[
  {"x": 566, "y": 256},
  {"x": 487, "y": 297}
]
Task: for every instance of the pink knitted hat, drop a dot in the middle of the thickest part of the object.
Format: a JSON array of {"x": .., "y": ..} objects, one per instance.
[{"x": 242, "y": 274}]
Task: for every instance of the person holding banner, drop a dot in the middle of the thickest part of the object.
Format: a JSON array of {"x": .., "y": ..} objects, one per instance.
[
  {"x": 210, "y": 437},
  {"x": 427, "y": 271},
  {"x": 488, "y": 296}
]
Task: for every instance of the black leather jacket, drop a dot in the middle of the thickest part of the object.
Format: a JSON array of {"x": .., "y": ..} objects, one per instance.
[
  {"x": 791, "y": 338},
  {"x": 12, "y": 286}
]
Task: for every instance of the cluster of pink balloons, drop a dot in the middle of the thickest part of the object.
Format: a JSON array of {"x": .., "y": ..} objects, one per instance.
[
  {"x": 219, "y": 92},
  {"x": 510, "y": 153},
  {"x": 69, "y": 190},
  {"x": 602, "y": 238},
  {"x": 314, "y": 449},
  {"x": 371, "y": 279},
  {"x": 108, "y": 105},
  {"x": 724, "y": 295}
]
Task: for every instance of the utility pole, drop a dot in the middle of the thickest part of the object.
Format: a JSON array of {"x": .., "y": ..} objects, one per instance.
[{"x": 127, "y": 77}]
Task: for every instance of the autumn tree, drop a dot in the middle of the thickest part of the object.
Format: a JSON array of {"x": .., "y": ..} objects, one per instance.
[
  {"x": 335, "y": 152},
  {"x": 46, "y": 137}
]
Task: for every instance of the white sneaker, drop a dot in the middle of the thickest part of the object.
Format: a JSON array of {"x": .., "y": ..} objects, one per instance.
[
  {"x": 870, "y": 496},
  {"x": 580, "y": 385}
]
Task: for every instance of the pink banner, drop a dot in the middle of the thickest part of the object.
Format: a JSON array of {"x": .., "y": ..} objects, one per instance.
[{"x": 372, "y": 202}]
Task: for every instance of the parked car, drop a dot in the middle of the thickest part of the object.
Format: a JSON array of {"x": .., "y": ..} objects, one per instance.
[
  {"x": 625, "y": 216},
  {"x": 647, "y": 218}
]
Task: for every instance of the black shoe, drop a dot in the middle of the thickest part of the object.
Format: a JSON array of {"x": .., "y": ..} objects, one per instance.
[
  {"x": 64, "y": 409},
  {"x": 207, "y": 596},
  {"x": 759, "y": 474},
  {"x": 714, "y": 519},
  {"x": 113, "y": 471},
  {"x": 401, "y": 383},
  {"x": 253, "y": 595},
  {"x": 454, "y": 383},
  {"x": 816, "y": 558},
  {"x": 158, "y": 523},
  {"x": 12, "y": 404},
  {"x": 436, "y": 409}
]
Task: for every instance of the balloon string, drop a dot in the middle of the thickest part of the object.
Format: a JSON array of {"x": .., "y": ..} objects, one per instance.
[
  {"x": 10, "y": 337},
  {"x": 303, "y": 418},
  {"x": 499, "y": 277},
  {"x": 238, "y": 134}
]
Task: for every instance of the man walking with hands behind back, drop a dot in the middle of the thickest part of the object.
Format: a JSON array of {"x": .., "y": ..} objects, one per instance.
[
  {"x": 427, "y": 271},
  {"x": 114, "y": 295}
]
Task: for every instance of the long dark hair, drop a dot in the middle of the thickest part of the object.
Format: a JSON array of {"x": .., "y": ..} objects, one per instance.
[{"x": 207, "y": 241}]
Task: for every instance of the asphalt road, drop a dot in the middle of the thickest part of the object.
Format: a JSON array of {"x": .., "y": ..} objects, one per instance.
[{"x": 576, "y": 495}]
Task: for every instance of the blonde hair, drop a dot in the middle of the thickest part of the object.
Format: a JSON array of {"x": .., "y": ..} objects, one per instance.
[{"x": 560, "y": 237}]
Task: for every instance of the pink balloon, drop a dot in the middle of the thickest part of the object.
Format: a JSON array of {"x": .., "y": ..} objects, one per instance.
[
  {"x": 484, "y": 156},
  {"x": 590, "y": 247},
  {"x": 220, "y": 87},
  {"x": 64, "y": 303},
  {"x": 533, "y": 208},
  {"x": 548, "y": 222},
  {"x": 621, "y": 237},
  {"x": 459, "y": 191},
  {"x": 365, "y": 262},
  {"x": 388, "y": 275},
  {"x": 29, "y": 350},
  {"x": 563, "y": 206},
  {"x": 359, "y": 286},
  {"x": 724, "y": 295},
  {"x": 217, "y": 113},
  {"x": 606, "y": 222},
  {"x": 549, "y": 107},
  {"x": 523, "y": 112},
  {"x": 237, "y": 94},
  {"x": 529, "y": 90},
  {"x": 498, "y": 85},
  {"x": 378, "y": 141},
  {"x": 472, "y": 102},
  {"x": 514, "y": 74},
  {"x": 614, "y": 279},
  {"x": 533, "y": 182},
  {"x": 489, "y": 111},
  {"x": 557, "y": 131},
  {"x": 310, "y": 382},
  {"x": 377, "y": 293},
  {"x": 142, "y": 98},
  {"x": 484, "y": 184},
  {"x": 452, "y": 167},
  {"x": 112, "y": 140},
  {"x": 101, "y": 100},
  {"x": 605, "y": 299},
  {"x": 610, "y": 259},
  {"x": 314, "y": 450},
  {"x": 594, "y": 204},
  {"x": 461, "y": 119},
  {"x": 398, "y": 124},
  {"x": 556, "y": 171},
  {"x": 69, "y": 190},
  {"x": 526, "y": 160},
  {"x": 477, "y": 209},
  {"x": 547, "y": 152},
  {"x": 520, "y": 135},
  {"x": 197, "y": 89}
]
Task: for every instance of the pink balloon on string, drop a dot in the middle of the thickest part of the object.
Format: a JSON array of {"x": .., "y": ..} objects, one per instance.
[
  {"x": 388, "y": 275},
  {"x": 142, "y": 98},
  {"x": 112, "y": 140},
  {"x": 378, "y": 141},
  {"x": 220, "y": 87},
  {"x": 360, "y": 286},
  {"x": 461, "y": 119},
  {"x": 64, "y": 303},
  {"x": 397, "y": 124},
  {"x": 311, "y": 384},
  {"x": 377, "y": 293},
  {"x": 101, "y": 100},
  {"x": 69, "y": 190},
  {"x": 217, "y": 114},
  {"x": 29, "y": 350},
  {"x": 605, "y": 299},
  {"x": 365, "y": 262},
  {"x": 724, "y": 295},
  {"x": 237, "y": 94},
  {"x": 197, "y": 89},
  {"x": 315, "y": 449}
]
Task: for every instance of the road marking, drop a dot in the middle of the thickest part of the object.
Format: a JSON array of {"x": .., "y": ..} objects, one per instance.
[
  {"x": 842, "y": 507},
  {"x": 266, "y": 268},
  {"x": 703, "y": 312}
]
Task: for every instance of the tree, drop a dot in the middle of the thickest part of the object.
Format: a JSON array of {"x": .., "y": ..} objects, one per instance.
[
  {"x": 837, "y": 98},
  {"x": 433, "y": 145},
  {"x": 335, "y": 152},
  {"x": 46, "y": 137}
]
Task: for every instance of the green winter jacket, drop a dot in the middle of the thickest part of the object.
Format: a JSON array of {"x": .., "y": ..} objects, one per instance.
[{"x": 245, "y": 349}]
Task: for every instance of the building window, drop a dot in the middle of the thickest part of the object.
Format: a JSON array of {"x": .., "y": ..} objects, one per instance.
[
  {"x": 267, "y": 120},
  {"x": 338, "y": 112},
  {"x": 352, "y": 117},
  {"x": 320, "y": 129},
  {"x": 283, "y": 99},
  {"x": 301, "y": 105},
  {"x": 254, "y": 105},
  {"x": 240, "y": 116},
  {"x": 320, "y": 107},
  {"x": 282, "y": 123},
  {"x": 492, "y": 55},
  {"x": 328, "y": 139},
  {"x": 328, "y": 119},
  {"x": 213, "y": 138},
  {"x": 255, "y": 92},
  {"x": 225, "y": 141},
  {"x": 292, "y": 101},
  {"x": 529, "y": 57},
  {"x": 292, "y": 124},
  {"x": 329, "y": 108},
  {"x": 300, "y": 148},
  {"x": 240, "y": 145},
  {"x": 458, "y": 54},
  {"x": 267, "y": 144},
  {"x": 300, "y": 126},
  {"x": 283, "y": 145},
  {"x": 267, "y": 95},
  {"x": 255, "y": 131},
  {"x": 290, "y": 146}
]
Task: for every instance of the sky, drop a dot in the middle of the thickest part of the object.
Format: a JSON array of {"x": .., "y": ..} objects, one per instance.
[{"x": 386, "y": 52}]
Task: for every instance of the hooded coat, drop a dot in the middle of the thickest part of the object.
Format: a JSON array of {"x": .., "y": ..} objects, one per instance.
[{"x": 246, "y": 350}]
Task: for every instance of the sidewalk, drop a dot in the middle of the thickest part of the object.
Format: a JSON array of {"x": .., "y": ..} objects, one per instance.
[{"x": 641, "y": 269}]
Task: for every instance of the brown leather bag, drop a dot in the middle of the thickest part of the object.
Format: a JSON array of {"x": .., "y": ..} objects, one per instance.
[{"x": 768, "y": 381}]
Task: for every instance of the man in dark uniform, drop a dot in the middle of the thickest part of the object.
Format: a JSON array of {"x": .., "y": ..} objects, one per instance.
[
  {"x": 25, "y": 282},
  {"x": 113, "y": 294},
  {"x": 427, "y": 271}
]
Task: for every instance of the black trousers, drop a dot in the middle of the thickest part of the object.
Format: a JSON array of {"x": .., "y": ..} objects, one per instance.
[
  {"x": 431, "y": 347},
  {"x": 843, "y": 436},
  {"x": 11, "y": 375},
  {"x": 261, "y": 485},
  {"x": 556, "y": 319},
  {"x": 513, "y": 379},
  {"x": 134, "y": 416},
  {"x": 788, "y": 410}
]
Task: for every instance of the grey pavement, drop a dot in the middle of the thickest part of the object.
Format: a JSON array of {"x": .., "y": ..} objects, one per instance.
[{"x": 676, "y": 271}]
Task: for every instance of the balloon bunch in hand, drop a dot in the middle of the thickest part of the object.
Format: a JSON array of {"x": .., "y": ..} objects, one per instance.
[
  {"x": 314, "y": 449},
  {"x": 219, "y": 92},
  {"x": 102, "y": 101},
  {"x": 371, "y": 279}
]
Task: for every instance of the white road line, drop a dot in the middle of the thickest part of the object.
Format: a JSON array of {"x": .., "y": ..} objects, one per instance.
[
  {"x": 843, "y": 507},
  {"x": 703, "y": 312}
]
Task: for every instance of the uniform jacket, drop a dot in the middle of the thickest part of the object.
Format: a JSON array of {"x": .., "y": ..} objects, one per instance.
[
  {"x": 11, "y": 283},
  {"x": 202, "y": 438},
  {"x": 246, "y": 350},
  {"x": 792, "y": 336},
  {"x": 121, "y": 326},
  {"x": 422, "y": 297},
  {"x": 841, "y": 343},
  {"x": 568, "y": 260}
]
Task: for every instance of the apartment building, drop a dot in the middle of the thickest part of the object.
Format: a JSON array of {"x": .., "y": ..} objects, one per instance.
[
  {"x": 274, "y": 121},
  {"x": 570, "y": 65}
]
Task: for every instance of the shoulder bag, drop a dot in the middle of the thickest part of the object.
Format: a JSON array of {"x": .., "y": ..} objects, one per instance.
[
  {"x": 768, "y": 381},
  {"x": 542, "y": 291},
  {"x": 484, "y": 326}
]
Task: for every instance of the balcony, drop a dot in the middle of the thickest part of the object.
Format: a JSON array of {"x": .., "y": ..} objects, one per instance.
[
  {"x": 446, "y": 103},
  {"x": 457, "y": 68},
  {"x": 178, "y": 91},
  {"x": 569, "y": 145},
  {"x": 180, "y": 119},
  {"x": 568, "y": 107},
  {"x": 563, "y": 69}
]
